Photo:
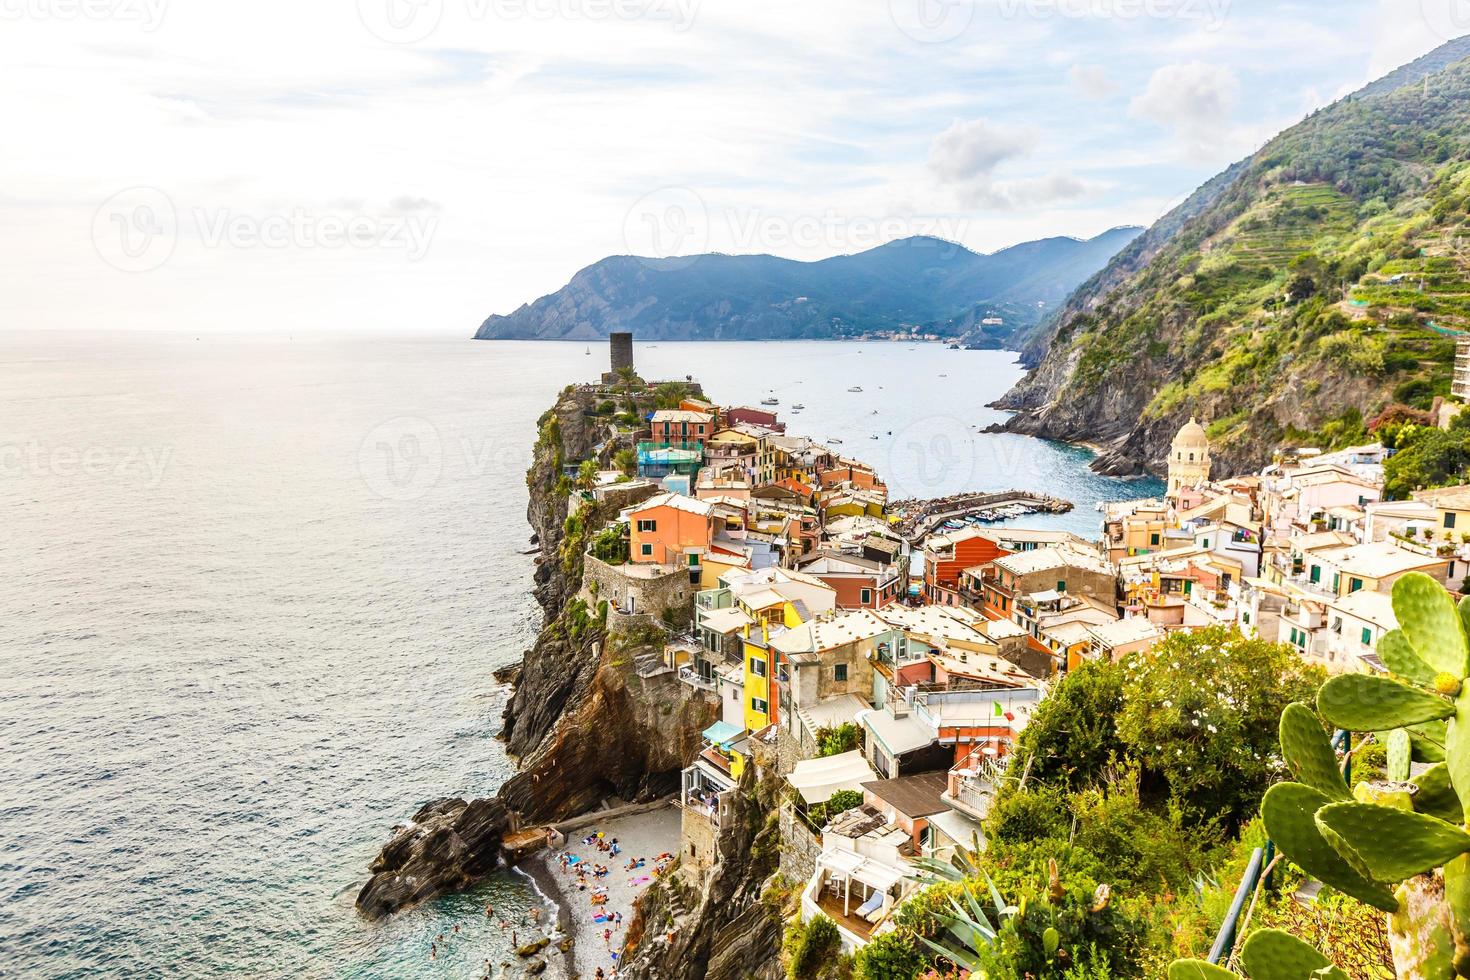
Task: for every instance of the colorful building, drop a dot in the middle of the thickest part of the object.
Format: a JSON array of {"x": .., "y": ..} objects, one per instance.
[{"x": 671, "y": 529}]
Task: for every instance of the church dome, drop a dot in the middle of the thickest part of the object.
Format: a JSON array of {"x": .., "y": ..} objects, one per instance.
[{"x": 1191, "y": 436}]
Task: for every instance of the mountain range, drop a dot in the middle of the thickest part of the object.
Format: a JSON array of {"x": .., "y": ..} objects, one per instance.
[
  {"x": 1298, "y": 296},
  {"x": 926, "y": 283}
]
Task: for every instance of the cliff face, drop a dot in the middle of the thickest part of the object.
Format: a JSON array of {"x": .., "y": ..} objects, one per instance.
[
  {"x": 1290, "y": 299},
  {"x": 727, "y": 931}
]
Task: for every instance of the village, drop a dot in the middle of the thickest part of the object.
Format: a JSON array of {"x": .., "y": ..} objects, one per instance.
[{"x": 885, "y": 674}]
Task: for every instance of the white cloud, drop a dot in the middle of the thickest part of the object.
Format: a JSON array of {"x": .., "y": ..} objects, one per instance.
[
  {"x": 1092, "y": 81},
  {"x": 969, "y": 150},
  {"x": 1195, "y": 100}
]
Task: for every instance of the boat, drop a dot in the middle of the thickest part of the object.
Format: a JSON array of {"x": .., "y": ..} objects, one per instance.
[
  {"x": 588, "y": 351},
  {"x": 835, "y": 442},
  {"x": 770, "y": 401},
  {"x": 856, "y": 388},
  {"x": 872, "y": 437},
  {"x": 797, "y": 407}
]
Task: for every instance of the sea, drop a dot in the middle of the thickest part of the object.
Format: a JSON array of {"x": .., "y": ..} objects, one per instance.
[{"x": 253, "y": 590}]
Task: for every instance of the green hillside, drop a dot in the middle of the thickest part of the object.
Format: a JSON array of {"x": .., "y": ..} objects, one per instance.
[{"x": 1323, "y": 285}]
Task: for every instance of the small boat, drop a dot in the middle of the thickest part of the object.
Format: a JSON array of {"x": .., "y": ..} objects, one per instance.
[
  {"x": 835, "y": 442},
  {"x": 588, "y": 351},
  {"x": 872, "y": 437},
  {"x": 797, "y": 407},
  {"x": 855, "y": 388},
  {"x": 770, "y": 401}
]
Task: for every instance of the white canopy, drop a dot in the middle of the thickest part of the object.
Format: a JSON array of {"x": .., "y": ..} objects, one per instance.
[{"x": 817, "y": 779}]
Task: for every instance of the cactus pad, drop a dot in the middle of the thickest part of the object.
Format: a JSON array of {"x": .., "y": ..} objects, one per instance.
[
  {"x": 1198, "y": 970},
  {"x": 1287, "y": 811},
  {"x": 1308, "y": 752},
  {"x": 1364, "y": 703},
  {"x": 1436, "y": 796},
  {"x": 1270, "y": 954},
  {"x": 1428, "y": 740},
  {"x": 1394, "y": 844},
  {"x": 1429, "y": 619},
  {"x": 1399, "y": 751},
  {"x": 1398, "y": 655}
]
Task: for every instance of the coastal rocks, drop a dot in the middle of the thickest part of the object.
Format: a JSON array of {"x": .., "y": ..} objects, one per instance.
[
  {"x": 450, "y": 844},
  {"x": 531, "y": 949},
  {"x": 728, "y": 930}
]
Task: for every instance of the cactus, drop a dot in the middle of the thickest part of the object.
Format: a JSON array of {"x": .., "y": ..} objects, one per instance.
[
  {"x": 1436, "y": 796},
  {"x": 1399, "y": 657},
  {"x": 1399, "y": 845},
  {"x": 1287, "y": 811},
  {"x": 1308, "y": 752},
  {"x": 1400, "y": 750},
  {"x": 1432, "y": 624},
  {"x": 1363, "y": 703},
  {"x": 1270, "y": 954}
]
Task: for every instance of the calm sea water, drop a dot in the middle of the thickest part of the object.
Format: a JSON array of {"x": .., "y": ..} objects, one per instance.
[{"x": 253, "y": 590}]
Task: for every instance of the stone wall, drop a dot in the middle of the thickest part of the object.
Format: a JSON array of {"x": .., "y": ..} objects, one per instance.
[
  {"x": 799, "y": 847},
  {"x": 697, "y": 853},
  {"x": 650, "y": 596}
]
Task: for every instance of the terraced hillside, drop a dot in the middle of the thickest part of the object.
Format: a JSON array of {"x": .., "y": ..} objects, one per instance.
[{"x": 1316, "y": 284}]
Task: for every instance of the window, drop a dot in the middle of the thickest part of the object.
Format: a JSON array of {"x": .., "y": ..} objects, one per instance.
[
  {"x": 1153, "y": 539},
  {"x": 1336, "y": 581},
  {"x": 693, "y": 560},
  {"x": 1317, "y": 574},
  {"x": 759, "y": 707},
  {"x": 1354, "y": 584},
  {"x": 646, "y": 550},
  {"x": 1367, "y": 637},
  {"x": 1245, "y": 617},
  {"x": 1061, "y": 585},
  {"x": 839, "y": 673},
  {"x": 1449, "y": 520},
  {"x": 646, "y": 526},
  {"x": 757, "y": 667},
  {"x": 865, "y": 596}
]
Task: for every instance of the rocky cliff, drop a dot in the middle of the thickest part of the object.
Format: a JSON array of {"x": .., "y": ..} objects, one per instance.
[
  {"x": 732, "y": 928},
  {"x": 1290, "y": 299}
]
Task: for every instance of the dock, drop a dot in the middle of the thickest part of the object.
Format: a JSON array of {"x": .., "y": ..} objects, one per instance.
[{"x": 919, "y": 518}]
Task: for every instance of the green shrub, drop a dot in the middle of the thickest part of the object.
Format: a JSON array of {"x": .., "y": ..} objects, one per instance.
[{"x": 891, "y": 956}]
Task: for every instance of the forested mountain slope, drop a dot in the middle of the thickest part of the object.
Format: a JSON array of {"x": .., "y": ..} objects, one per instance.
[{"x": 1294, "y": 297}]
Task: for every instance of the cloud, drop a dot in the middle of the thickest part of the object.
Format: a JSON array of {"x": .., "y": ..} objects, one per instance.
[
  {"x": 1196, "y": 100},
  {"x": 1092, "y": 81},
  {"x": 969, "y": 150}
]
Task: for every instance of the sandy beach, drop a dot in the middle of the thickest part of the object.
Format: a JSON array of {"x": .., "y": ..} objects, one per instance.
[{"x": 642, "y": 835}]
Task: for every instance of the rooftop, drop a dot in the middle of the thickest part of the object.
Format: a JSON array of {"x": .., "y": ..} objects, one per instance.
[
  {"x": 1446, "y": 498},
  {"x": 912, "y": 796},
  {"x": 1124, "y": 631},
  {"x": 1046, "y": 559}
]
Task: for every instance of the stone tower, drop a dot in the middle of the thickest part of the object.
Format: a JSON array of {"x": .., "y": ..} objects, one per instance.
[
  {"x": 1189, "y": 457},
  {"x": 621, "y": 345}
]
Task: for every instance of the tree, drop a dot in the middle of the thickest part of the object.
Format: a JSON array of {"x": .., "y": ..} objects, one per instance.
[
  {"x": 1072, "y": 736},
  {"x": 1199, "y": 714},
  {"x": 1428, "y": 457},
  {"x": 835, "y": 741},
  {"x": 670, "y": 394},
  {"x": 842, "y": 801},
  {"x": 587, "y": 475},
  {"x": 812, "y": 947},
  {"x": 626, "y": 461}
]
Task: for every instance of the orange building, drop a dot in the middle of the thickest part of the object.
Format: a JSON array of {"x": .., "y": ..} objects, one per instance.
[{"x": 671, "y": 529}]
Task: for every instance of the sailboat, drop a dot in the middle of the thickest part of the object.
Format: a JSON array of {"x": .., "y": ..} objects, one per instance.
[{"x": 588, "y": 351}]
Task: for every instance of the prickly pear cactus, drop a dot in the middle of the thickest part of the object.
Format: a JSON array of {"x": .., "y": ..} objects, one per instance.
[{"x": 1400, "y": 845}]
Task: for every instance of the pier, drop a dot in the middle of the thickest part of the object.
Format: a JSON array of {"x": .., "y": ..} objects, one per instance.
[{"x": 919, "y": 518}]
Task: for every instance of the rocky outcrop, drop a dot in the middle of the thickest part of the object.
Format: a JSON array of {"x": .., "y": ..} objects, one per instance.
[
  {"x": 450, "y": 844},
  {"x": 731, "y": 929}
]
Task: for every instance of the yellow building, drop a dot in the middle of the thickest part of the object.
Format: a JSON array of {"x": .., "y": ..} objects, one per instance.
[
  {"x": 1189, "y": 458},
  {"x": 1451, "y": 511},
  {"x": 775, "y": 600}
]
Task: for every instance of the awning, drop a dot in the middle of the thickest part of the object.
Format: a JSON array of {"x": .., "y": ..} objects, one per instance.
[
  {"x": 817, "y": 779},
  {"x": 722, "y": 733},
  {"x": 842, "y": 862},
  {"x": 898, "y": 735},
  {"x": 878, "y": 875}
]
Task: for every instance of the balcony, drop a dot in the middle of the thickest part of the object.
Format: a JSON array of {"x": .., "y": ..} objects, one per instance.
[{"x": 688, "y": 675}]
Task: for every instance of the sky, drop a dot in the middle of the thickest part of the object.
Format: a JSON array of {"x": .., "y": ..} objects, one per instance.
[{"x": 415, "y": 165}]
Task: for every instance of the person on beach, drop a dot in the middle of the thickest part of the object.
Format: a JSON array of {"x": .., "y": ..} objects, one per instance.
[
  {"x": 489, "y": 914},
  {"x": 433, "y": 951},
  {"x": 607, "y": 937}
]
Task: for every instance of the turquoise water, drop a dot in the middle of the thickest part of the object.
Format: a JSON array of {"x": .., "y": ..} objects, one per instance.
[{"x": 254, "y": 591}]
